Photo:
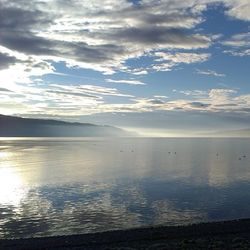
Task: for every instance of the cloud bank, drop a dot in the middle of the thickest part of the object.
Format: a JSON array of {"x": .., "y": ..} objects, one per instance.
[{"x": 122, "y": 40}]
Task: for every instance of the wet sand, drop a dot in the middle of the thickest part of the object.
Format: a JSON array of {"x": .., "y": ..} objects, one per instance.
[{"x": 215, "y": 235}]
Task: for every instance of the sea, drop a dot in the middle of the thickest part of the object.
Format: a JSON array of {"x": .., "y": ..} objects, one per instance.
[{"x": 64, "y": 186}]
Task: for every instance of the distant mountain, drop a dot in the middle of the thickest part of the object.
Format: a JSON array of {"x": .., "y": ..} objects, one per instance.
[{"x": 11, "y": 126}]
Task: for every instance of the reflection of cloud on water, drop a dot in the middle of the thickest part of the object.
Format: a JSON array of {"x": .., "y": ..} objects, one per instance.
[
  {"x": 166, "y": 213},
  {"x": 30, "y": 217},
  {"x": 99, "y": 215},
  {"x": 82, "y": 208},
  {"x": 39, "y": 215},
  {"x": 157, "y": 205},
  {"x": 130, "y": 194}
]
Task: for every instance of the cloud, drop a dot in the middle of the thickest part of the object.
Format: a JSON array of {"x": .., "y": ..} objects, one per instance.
[
  {"x": 77, "y": 100},
  {"x": 214, "y": 100},
  {"x": 57, "y": 100},
  {"x": 131, "y": 82},
  {"x": 209, "y": 73},
  {"x": 169, "y": 60},
  {"x": 194, "y": 93},
  {"x": 68, "y": 93},
  {"x": 16, "y": 67},
  {"x": 138, "y": 71},
  {"x": 103, "y": 91},
  {"x": 221, "y": 96},
  {"x": 181, "y": 57},
  {"x": 238, "y": 40},
  {"x": 238, "y": 9},
  {"x": 156, "y": 101},
  {"x": 5, "y": 90},
  {"x": 162, "y": 37},
  {"x": 94, "y": 35},
  {"x": 240, "y": 44},
  {"x": 161, "y": 96},
  {"x": 6, "y": 60},
  {"x": 199, "y": 105},
  {"x": 105, "y": 34},
  {"x": 241, "y": 52}
]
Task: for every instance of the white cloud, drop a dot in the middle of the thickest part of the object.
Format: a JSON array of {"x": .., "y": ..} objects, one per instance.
[
  {"x": 239, "y": 43},
  {"x": 194, "y": 93},
  {"x": 238, "y": 9},
  {"x": 131, "y": 82},
  {"x": 242, "y": 52},
  {"x": 238, "y": 40},
  {"x": 221, "y": 96},
  {"x": 169, "y": 60},
  {"x": 91, "y": 89},
  {"x": 214, "y": 100},
  {"x": 209, "y": 73},
  {"x": 181, "y": 57},
  {"x": 161, "y": 96},
  {"x": 59, "y": 100},
  {"x": 138, "y": 71},
  {"x": 18, "y": 67},
  {"x": 72, "y": 101}
]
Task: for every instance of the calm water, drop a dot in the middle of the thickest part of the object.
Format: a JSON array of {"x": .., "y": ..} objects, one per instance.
[{"x": 65, "y": 186}]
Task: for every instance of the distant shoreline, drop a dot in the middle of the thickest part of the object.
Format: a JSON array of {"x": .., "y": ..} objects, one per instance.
[{"x": 233, "y": 234}]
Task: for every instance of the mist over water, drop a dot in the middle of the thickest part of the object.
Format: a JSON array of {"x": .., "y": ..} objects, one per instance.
[{"x": 68, "y": 186}]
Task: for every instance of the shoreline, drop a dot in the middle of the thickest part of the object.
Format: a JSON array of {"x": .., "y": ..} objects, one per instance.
[{"x": 232, "y": 234}]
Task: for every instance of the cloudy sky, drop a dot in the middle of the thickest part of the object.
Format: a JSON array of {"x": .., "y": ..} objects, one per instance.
[{"x": 159, "y": 67}]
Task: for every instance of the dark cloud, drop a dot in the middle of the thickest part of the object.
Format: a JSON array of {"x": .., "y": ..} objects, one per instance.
[
  {"x": 6, "y": 60},
  {"x": 18, "y": 25},
  {"x": 37, "y": 29},
  {"x": 21, "y": 19},
  {"x": 172, "y": 19},
  {"x": 153, "y": 14},
  {"x": 31, "y": 44},
  {"x": 161, "y": 35},
  {"x": 93, "y": 53},
  {"x": 5, "y": 90},
  {"x": 156, "y": 101},
  {"x": 199, "y": 105},
  {"x": 245, "y": 110},
  {"x": 27, "y": 43},
  {"x": 226, "y": 105}
]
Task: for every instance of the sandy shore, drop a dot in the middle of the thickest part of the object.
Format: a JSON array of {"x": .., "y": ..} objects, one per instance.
[{"x": 216, "y": 235}]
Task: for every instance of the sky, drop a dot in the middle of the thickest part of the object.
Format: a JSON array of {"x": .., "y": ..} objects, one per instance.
[{"x": 160, "y": 68}]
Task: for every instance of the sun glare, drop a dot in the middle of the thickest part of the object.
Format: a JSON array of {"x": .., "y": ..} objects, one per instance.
[{"x": 11, "y": 187}]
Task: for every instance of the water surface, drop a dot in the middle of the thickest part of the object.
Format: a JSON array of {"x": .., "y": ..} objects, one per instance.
[{"x": 68, "y": 186}]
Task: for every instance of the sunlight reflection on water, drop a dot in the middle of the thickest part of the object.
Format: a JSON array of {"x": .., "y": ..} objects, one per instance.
[{"x": 11, "y": 187}]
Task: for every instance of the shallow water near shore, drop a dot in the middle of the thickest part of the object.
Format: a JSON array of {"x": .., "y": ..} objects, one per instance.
[{"x": 62, "y": 186}]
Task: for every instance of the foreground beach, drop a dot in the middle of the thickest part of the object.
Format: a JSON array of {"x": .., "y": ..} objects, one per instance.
[{"x": 215, "y": 235}]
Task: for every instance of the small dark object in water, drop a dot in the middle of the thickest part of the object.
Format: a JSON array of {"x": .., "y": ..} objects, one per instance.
[
  {"x": 244, "y": 156},
  {"x": 175, "y": 152},
  {"x": 169, "y": 152},
  {"x": 239, "y": 158}
]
